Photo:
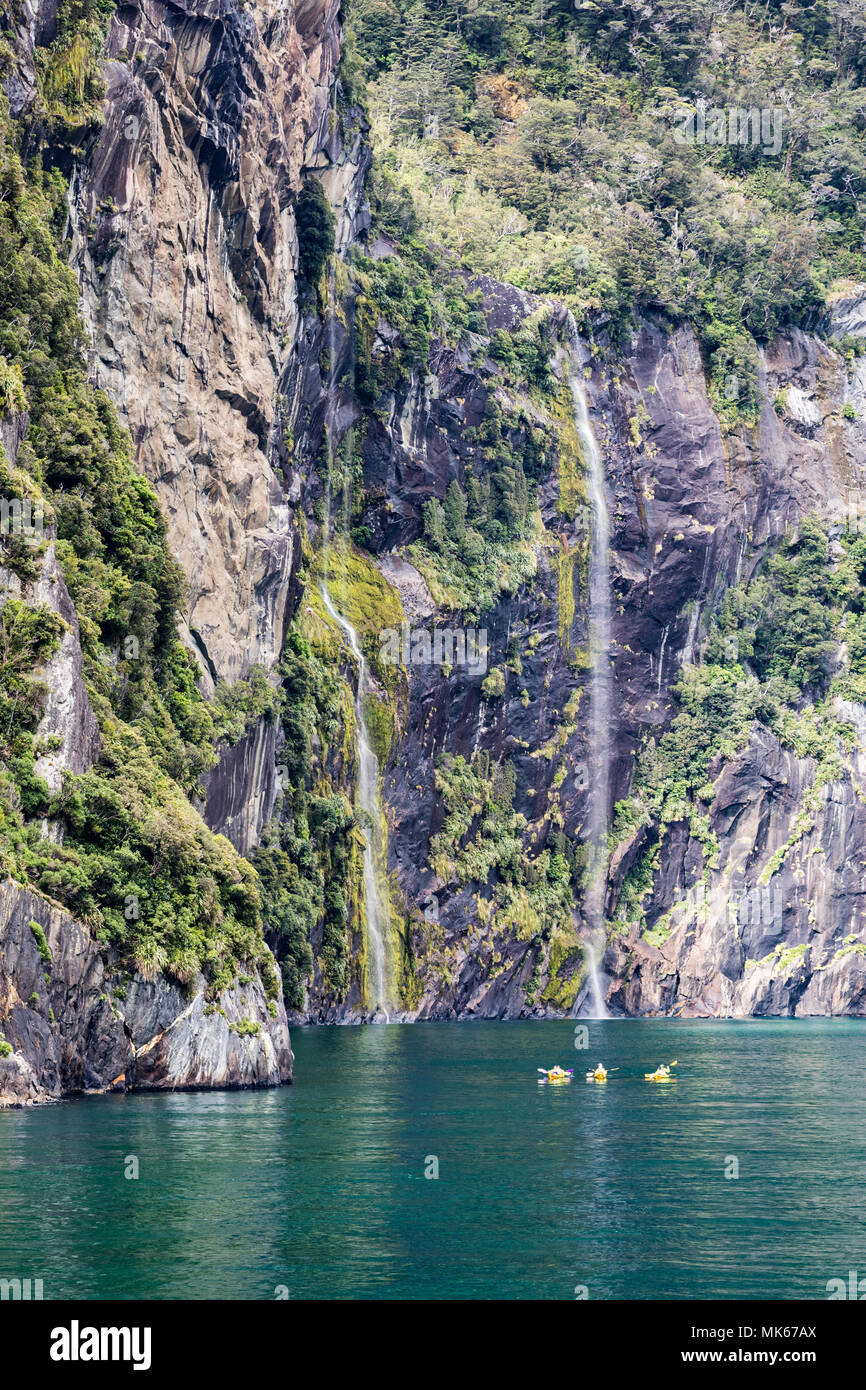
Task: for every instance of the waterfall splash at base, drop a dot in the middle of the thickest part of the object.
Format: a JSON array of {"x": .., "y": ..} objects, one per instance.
[{"x": 598, "y": 1008}]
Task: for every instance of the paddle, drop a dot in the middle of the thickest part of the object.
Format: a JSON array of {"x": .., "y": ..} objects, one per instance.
[{"x": 659, "y": 1072}]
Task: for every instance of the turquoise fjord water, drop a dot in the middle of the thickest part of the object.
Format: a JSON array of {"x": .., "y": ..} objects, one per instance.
[{"x": 320, "y": 1187}]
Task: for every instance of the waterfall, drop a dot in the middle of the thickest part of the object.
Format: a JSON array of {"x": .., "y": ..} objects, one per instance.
[
  {"x": 377, "y": 913},
  {"x": 368, "y": 800},
  {"x": 599, "y": 691},
  {"x": 596, "y": 994}
]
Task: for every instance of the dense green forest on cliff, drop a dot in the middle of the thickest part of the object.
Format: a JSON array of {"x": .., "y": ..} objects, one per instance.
[{"x": 541, "y": 143}]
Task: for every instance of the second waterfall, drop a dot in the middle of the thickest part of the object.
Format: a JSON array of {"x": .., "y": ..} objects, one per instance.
[{"x": 368, "y": 801}]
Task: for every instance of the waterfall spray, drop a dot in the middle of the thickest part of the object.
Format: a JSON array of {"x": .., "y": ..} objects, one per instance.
[
  {"x": 599, "y": 690},
  {"x": 377, "y": 914}
]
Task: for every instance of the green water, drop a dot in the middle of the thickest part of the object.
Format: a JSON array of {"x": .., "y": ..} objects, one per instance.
[{"x": 321, "y": 1188}]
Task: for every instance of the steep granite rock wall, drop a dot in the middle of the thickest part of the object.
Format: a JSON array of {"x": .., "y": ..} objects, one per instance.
[
  {"x": 186, "y": 250},
  {"x": 242, "y": 789},
  {"x": 693, "y": 510}
]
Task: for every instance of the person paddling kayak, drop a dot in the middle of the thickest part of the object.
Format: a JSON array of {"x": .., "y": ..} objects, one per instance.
[
  {"x": 554, "y": 1074},
  {"x": 661, "y": 1073},
  {"x": 600, "y": 1073}
]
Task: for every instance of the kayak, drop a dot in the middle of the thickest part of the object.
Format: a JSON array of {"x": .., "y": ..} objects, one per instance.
[
  {"x": 659, "y": 1075},
  {"x": 598, "y": 1077},
  {"x": 554, "y": 1077}
]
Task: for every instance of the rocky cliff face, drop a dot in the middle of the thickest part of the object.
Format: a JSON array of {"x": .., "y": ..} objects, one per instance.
[
  {"x": 743, "y": 945},
  {"x": 68, "y": 720},
  {"x": 75, "y": 1017},
  {"x": 186, "y": 251},
  {"x": 185, "y": 242},
  {"x": 242, "y": 789},
  {"x": 694, "y": 510},
  {"x": 77, "y": 1023},
  {"x": 74, "y": 1014},
  {"x": 777, "y": 927}
]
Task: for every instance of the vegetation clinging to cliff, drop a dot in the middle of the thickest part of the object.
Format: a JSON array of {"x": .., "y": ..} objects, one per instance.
[
  {"x": 539, "y": 143},
  {"x": 304, "y": 859},
  {"x": 474, "y": 546},
  {"x": 773, "y": 654},
  {"x": 136, "y": 862}
]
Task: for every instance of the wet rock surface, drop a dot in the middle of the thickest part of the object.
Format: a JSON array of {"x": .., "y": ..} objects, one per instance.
[
  {"x": 242, "y": 789},
  {"x": 692, "y": 511}
]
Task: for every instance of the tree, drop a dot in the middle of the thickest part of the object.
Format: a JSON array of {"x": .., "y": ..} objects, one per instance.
[
  {"x": 455, "y": 511},
  {"x": 314, "y": 222}
]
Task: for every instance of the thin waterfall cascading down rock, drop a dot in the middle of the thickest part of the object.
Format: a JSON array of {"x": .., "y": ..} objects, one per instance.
[
  {"x": 600, "y": 701},
  {"x": 376, "y": 911},
  {"x": 368, "y": 800}
]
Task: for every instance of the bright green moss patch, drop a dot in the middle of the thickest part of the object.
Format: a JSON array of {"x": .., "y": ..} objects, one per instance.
[
  {"x": 360, "y": 593},
  {"x": 850, "y": 946},
  {"x": 246, "y": 1028},
  {"x": 567, "y": 970},
  {"x": 381, "y": 721},
  {"x": 493, "y": 685},
  {"x": 657, "y": 935},
  {"x": 565, "y": 561},
  {"x": 570, "y": 467},
  {"x": 70, "y": 83},
  {"x": 41, "y": 944}
]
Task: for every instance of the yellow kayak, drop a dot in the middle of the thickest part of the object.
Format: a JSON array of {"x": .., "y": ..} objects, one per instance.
[
  {"x": 598, "y": 1076},
  {"x": 660, "y": 1074}
]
